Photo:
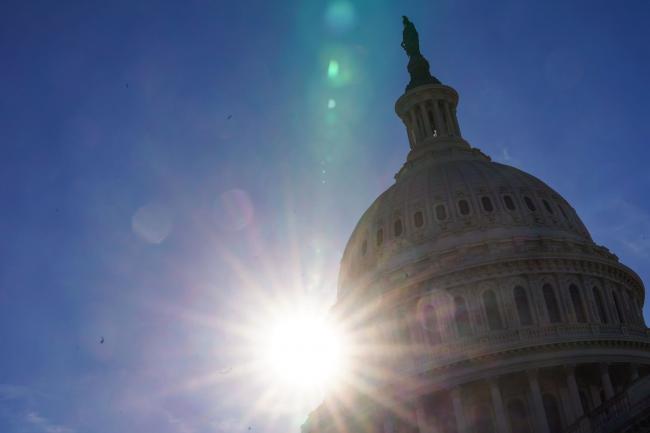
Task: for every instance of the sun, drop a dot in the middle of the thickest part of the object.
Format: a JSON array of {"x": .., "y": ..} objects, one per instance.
[{"x": 304, "y": 351}]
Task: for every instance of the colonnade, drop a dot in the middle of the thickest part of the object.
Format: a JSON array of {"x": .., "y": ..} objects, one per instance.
[
  {"x": 541, "y": 414},
  {"x": 431, "y": 118}
]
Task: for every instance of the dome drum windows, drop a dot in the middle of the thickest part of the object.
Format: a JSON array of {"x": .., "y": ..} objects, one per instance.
[
  {"x": 509, "y": 202},
  {"x": 530, "y": 204},
  {"x": 441, "y": 212},
  {"x": 379, "y": 237},
  {"x": 548, "y": 207},
  {"x": 398, "y": 228},
  {"x": 486, "y": 202},
  {"x": 463, "y": 207}
]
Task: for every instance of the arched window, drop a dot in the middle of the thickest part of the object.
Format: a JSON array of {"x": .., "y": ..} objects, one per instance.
[
  {"x": 431, "y": 324},
  {"x": 380, "y": 237},
  {"x": 553, "y": 414},
  {"x": 578, "y": 307},
  {"x": 523, "y": 307},
  {"x": 518, "y": 416},
  {"x": 492, "y": 310},
  {"x": 509, "y": 202},
  {"x": 463, "y": 207},
  {"x": 551, "y": 304},
  {"x": 461, "y": 317},
  {"x": 364, "y": 247},
  {"x": 487, "y": 204},
  {"x": 397, "y": 228},
  {"x": 530, "y": 204},
  {"x": 619, "y": 311},
  {"x": 441, "y": 212},
  {"x": 600, "y": 306},
  {"x": 418, "y": 219}
]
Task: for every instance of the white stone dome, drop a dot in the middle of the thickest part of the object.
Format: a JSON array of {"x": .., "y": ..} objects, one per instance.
[
  {"x": 476, "y": 301},
  {"x": 446, "y": 201}
]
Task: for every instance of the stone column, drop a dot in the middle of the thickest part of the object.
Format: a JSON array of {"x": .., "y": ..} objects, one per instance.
[
  {"x": 415, "y": 126},
  {"x": 450, "y": 120},
  {"x": 497, "y": 404},
  {"x": 457, "y": 402},
  {"x": 574, "y": 393},
  {"x": 606, "y": 381},
  {"x": 437, "y": 115},
  {"x": 409, "y": 129},
  {"x": 425, "y": 116},
  {"x": 634, "y": 372},
  {"x": 421, "y": 416},
  {"x": 455, "y": 120},
  {"x": 541, "y": 423}
]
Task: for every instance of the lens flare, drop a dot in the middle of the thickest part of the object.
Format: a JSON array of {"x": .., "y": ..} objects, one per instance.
[
  {"x": 333, "y": 69},
  {"x": 152, "y": 223},
  {"x": 340, "y": 16},
  {"x": 305, "y": 351}
]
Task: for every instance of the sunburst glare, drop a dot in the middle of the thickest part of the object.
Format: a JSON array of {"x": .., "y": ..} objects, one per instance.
[{"x": 304, "y": 352}]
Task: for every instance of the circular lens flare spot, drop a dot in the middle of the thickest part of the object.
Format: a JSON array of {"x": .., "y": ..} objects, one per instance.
[
  {"x": 152, "y": 223},
  {"x": 340, "y": 16}
]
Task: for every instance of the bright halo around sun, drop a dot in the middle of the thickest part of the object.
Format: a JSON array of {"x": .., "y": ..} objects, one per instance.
[{"x": 305, "y": 352}]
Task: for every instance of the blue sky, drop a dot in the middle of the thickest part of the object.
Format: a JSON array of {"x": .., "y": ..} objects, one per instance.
[{"x": 169, "y": 169}]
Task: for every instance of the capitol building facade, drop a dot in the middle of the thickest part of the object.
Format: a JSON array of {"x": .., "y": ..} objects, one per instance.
[{"x": 478, "y": 301}]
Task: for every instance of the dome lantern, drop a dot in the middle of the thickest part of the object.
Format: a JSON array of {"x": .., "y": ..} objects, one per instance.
[{"x": 428, "y": 107}]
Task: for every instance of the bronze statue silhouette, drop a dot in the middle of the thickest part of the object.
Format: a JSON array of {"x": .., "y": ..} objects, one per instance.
[
  {"x": 410, "y": 38},
  {"x": 418, "y": 66}
]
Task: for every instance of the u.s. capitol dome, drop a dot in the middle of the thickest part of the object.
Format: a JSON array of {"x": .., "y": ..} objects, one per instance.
[{"x": 480, "y": 301}]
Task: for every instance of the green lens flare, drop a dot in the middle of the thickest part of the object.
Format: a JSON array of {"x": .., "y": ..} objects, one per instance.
[
  {"x": 340, "y": 16},
  {"x": 333, "y": 69}
]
